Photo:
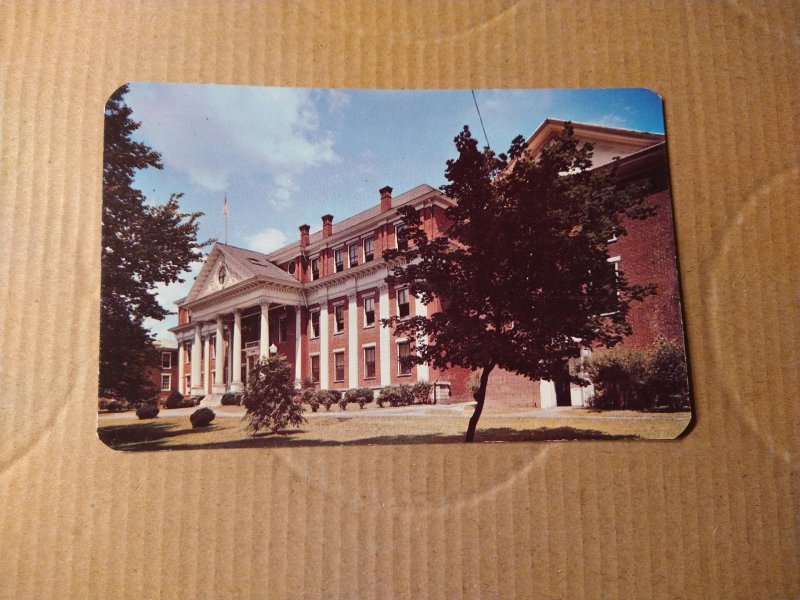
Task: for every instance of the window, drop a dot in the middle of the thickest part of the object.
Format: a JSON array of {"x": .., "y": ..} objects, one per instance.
[
  {"x": 369, "y": 362},
  {"x": 315, "y": 368},
  {"x": 282, "y": 329},
  {"x": 369, "y": 311},
  {"x": 315, "y": 324},
  {"x": 400, "y": 237},
  {"x": 403, "y": 308},
  {"x": 369, "y": 252},
  {"x": 187, "y": 383},
  {"x": 338, "y": 366},
  {"x": 338, "y": 318},
  {"x": 212, "y": 353},
  {"x": 338, "y": 259},
  {"x": 353, "y": 255},
  {"x": 188, "y": 351},
  {"x": 403, "y": 351},
  {"x": 315, "y": 268},
  {"x": 166, "y": 360},
  {"x": 166, "y": 383}
]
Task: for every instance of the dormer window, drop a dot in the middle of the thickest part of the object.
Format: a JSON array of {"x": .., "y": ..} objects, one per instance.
[
  {"x": 353, "y": 255},
  {"x": 338, "y": 259},
  {"x": 369, "y": 252}
]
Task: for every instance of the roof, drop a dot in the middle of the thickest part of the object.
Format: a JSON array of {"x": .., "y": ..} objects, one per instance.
[
  {"x": 355, "y": 220},
  {"x": 253, "y": 264}
]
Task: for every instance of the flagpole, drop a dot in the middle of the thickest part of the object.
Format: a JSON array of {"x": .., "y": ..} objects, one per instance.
[{"x": 225, "y": 212}]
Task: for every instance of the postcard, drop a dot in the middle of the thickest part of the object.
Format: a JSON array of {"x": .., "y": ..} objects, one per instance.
[{"x": 310, "y": 267}]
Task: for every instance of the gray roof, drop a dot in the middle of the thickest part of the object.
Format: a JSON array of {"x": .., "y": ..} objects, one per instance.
[
  {"x": 253, "y": 264},
  {"x": 361, "y": 217}
]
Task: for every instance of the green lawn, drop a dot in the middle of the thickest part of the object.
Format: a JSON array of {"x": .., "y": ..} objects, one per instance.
[{"x": 172, "y": 433}]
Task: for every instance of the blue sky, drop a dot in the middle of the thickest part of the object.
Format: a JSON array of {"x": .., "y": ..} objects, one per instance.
[{"x": 286, "y": 156}]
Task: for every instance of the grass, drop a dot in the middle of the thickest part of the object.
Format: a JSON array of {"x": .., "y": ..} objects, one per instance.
[{"x": 172, "y": 433}]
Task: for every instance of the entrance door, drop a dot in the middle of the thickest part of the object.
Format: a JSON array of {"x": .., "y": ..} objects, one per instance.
[{"x": 561, "y": 384}]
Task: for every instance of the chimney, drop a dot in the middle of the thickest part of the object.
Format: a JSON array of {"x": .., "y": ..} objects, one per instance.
[
  {"x": 304, "y": 235},
  {"x": 327, "y": 225},
  {"x": 386, "y": 198}
]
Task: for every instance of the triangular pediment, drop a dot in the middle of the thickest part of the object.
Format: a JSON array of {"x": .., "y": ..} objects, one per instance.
[
  {"x": 608, "y": 142},
  {"x": 219, "y": 272}
]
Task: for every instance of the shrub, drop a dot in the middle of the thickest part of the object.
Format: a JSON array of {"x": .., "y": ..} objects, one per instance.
[
  {"x": 629, "y": 378},
  {"x": 669, "y": 380},
  {"x": 202, "y": 417},
  {"x": 115, "y": 406},
  {"x": 102, "y": 403},
  {"x": 421, "y": 392},
  {"x": 342, "y": 402},
  {"x": 396, "y": 395},
  {"x": 270, "y": 397},
  {"x": 360, "y": 396},
  {"x": 189, "y": 402},
  {"x": 147, "y": 411},
  {"x": 174, "y": 400},
  {"x": 231, "y": 399}
]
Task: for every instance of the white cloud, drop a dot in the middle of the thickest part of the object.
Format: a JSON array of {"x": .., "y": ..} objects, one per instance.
[
  {"x": 612, "y": 120},
  {"x": 267, "y": 240},
  {"x": 337, "y": 101},
  {"x": 218, "y": 134}
]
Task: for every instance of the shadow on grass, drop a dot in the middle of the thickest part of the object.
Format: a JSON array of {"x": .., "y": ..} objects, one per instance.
[{"x": 154, "y": 436}]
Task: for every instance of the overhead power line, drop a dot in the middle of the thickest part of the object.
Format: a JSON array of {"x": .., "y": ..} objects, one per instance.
[{"x": 480, "y": 118}]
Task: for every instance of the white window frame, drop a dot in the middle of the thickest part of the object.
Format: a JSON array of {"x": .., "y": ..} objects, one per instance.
[
  {"x": 212, "y": 344},
  {"x": 187, "y": 350},
  {"x": 397, "y": 228},
  {"x": 337, "y": 331},
  {"x": 314, "y": 333},
  {"x": 371, "y": 240},
  {"x": 357, "y": 246},
  {"x": 364, "y": 310},
  {"x": 311, "y": 358},
  {"x": 169, "y": 382},
  {"x": 335, "y": 268},
  {"x": 169, "y": 360},
  {"x": 364, "y": 348},
  {"x": 397, "y": 300},
  {"x": 339, "y": 352},
  {"x": 311, "y": 264},
  {"x": 402, "y": 342}
]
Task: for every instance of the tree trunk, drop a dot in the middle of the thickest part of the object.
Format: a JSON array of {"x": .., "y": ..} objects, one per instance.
[
  {"x": 561, "y": 383},
  {"x": 480, "y": 396}
]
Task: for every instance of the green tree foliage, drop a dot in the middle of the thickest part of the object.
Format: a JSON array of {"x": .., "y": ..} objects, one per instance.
[
  {"x": 269, "y": 396},
  {"x": 143, "y": 245},
  {"x": 522, "y": 271}
]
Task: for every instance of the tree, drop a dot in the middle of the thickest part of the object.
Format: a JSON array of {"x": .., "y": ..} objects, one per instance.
[
  {"x": 269, "y": 396},
  {"x": 522, "y": 271},
  {"x": 143, "y": 245}
]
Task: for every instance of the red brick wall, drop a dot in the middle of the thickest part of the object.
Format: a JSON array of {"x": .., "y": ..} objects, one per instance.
[
  {"x": 368, "y": 335},
  {"x": 648, "y": 256}
]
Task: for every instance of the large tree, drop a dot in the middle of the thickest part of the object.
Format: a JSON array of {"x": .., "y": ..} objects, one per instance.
[
  {"x": 143, "y": 245},
  {"x": 522, "y": 272}
]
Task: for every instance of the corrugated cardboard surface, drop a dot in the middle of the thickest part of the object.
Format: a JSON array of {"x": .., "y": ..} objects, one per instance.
[{"x": 713, "y": 515}]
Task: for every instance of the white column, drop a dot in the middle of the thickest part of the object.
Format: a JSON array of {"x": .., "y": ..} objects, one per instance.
[
  {"x": 423, "y": 371},
  {"x": 236, "y": 380},
  {"x": 384, "y": 336},
  {"x": 264, "y": 336},
  {"x": 219, "y": 366},
  {"x": 197, "y": 385},
  {"x": 352, "y": 340},
  {"x": 547, "y": 393},
  {"x": 207, "y": 365},
  {"x": 298, "y": 358},
  {"x": 181, "y": 383},
  {"x": 323, "y": 345}
]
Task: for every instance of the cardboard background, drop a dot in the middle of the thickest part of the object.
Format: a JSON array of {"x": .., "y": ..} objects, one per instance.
[{"x": 713, "y": 515}]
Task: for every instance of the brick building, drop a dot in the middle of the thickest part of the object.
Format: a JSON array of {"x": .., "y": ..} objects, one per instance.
[
  {"x": 319, "y": 300},
  {"x": 164, "y": 375}
]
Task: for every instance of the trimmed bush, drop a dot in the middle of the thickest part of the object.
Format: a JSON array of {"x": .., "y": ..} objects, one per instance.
[
  {"x": 270, "y": 397},
  {"x": 360, "y": 396},
  {"x": 202, "y": 417},
  {"x": 231, "y": 399},
  {"x": 421, "y": 392},
  {"x": 174, "y": 400},
  {"x": 115, "y": 406},
  {"x": 342, "y": 402},
  {"x": 147, "y": 411},
  {"x": 396, "y": 395},
  {"x": 190, "y": 402}
]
